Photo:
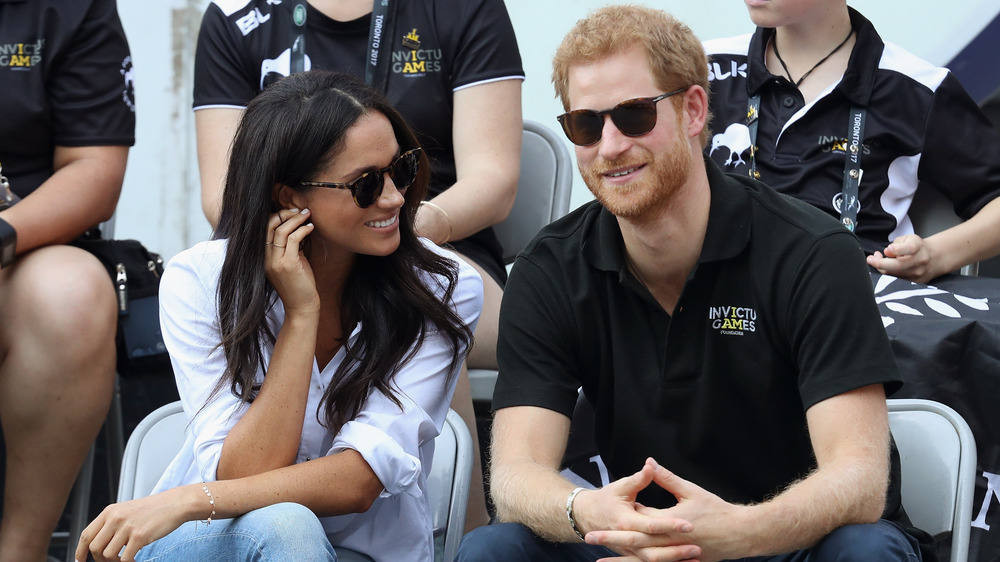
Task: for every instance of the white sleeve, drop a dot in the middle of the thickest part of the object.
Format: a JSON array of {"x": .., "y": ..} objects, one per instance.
[
  {"x": 189, "y": 322},
  {"x": 390, "y": 439}
]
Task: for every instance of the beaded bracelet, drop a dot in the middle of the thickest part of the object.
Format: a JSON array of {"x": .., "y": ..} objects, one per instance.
[
  {"x": 211, "y": 500},
  {"x": 569, "y": 512}
]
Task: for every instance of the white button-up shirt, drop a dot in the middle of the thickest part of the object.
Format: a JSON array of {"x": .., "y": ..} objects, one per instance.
[{"x": 398, "y": 445}]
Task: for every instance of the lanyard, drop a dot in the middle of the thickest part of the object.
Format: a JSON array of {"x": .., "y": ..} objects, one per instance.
[
  {"x": 298, "y": 56},
  {"x": 849, "y": 204},
  {"x": 377, "y": 59}
]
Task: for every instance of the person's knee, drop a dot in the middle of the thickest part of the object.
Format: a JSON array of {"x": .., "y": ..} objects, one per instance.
[
  {"x": 501, "y": 541},
  {"x": 291, "y": 531},
  {"x": 63, "y": 293},
  {"x": 877, "y": 541}
]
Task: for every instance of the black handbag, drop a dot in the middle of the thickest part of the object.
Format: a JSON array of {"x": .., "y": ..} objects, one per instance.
[{"x": 135, "y": 272}]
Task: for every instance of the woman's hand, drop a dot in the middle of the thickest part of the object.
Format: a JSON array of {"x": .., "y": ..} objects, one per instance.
[
  {"x": 287, "y": 268},
  {"x": 133, "y": 524}
]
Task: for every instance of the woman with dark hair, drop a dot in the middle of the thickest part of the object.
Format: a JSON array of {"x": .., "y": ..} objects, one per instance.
[{"x": 316, "y": 350}]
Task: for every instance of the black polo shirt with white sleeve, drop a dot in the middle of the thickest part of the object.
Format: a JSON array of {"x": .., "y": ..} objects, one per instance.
[{"x": 921, "y": 128}]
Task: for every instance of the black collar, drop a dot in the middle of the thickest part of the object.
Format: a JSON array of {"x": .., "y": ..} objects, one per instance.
[{"x": 727, "y": 235}]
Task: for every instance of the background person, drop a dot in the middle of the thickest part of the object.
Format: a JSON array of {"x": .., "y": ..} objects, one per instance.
[
  {"x": 695, "y": 311},
  {"x": 66, "y": 123},
  {"x": 453, "y": 71},
  {"x": 811, "y": 63},
  {"x": 316, "y": 344}
]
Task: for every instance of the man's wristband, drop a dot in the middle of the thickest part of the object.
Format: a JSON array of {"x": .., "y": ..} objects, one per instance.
[
  {"x": 569, "y": 512},
  {"x": 8, "y": 243}
]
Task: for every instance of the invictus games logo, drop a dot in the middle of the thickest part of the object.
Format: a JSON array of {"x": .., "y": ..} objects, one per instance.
[
  {"x": 21, "y": 56},
  {"x": 733, "y": 320},
  {"x": 414, "y": 61},
  {"x": 128, "y": 76}
]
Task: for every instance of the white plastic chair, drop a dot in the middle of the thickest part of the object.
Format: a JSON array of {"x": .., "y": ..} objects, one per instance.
[
  {"x": 159, "y": 436},
  {"x": 543, "y": 193},
  {"x": 937, "y": 452}
]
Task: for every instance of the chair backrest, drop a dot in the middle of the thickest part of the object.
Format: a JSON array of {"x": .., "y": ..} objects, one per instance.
[
  {"x": 543, "y": 188},
  {"x": 937, "y": 452},
  {"x": 153, "y": 444},
  {"x": 159, "y": 437},
  {"x": 448, "y": 483}
]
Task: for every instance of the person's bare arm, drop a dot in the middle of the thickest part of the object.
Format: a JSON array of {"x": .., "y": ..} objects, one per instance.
[
  {"x": 80, "y": 194},
  {"x": 922, "y": 259},
  {"x": 528, "y": 445},
  {"x": 486, "y": 131},
  {"x": 214, "y": 129},
  {"x": 332, "y": 485},
  {"x": 850, "y": 438}
]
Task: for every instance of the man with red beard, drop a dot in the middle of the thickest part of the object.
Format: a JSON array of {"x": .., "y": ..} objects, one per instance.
[{"x": 716, "y": 327}]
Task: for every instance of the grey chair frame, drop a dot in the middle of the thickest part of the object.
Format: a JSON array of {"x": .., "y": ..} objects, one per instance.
[
  {"x": 543, "y": 195},
  {"x": 938, "y": 468}
]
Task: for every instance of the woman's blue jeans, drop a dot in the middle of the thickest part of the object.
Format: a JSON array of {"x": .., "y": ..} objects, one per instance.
[{"x": 277, "y": 533}]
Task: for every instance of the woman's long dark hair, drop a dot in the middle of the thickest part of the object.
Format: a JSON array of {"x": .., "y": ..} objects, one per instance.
[{"x": 289, "y": 133}]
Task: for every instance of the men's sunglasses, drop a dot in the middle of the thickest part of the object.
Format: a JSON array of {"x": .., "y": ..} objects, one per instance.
[
  {"x": 633, "y": 118},
  {"x": 367, "y": 187}
]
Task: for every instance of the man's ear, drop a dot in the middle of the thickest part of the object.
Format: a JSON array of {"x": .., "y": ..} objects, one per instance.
[
  {"x": 696, "y": 107},
  {"x": 284, "y": 197}
]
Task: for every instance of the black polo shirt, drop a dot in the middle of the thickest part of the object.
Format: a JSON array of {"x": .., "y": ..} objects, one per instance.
[
  {"x": 777, "y": 315},
  {"x": 921, "y": 128},
  {"x": 65, "y": 79}
]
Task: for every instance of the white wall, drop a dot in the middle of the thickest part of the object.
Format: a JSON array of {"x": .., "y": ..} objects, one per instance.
[{"x": 160, "y": 204}]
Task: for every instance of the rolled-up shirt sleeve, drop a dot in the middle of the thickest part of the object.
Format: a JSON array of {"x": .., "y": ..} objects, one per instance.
[
  {"x": 390, "y": 436},
  {"x": 188, "y": 321}
]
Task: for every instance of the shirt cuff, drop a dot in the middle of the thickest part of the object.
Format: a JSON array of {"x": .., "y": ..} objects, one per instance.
[{"x": 398, "y": 470}]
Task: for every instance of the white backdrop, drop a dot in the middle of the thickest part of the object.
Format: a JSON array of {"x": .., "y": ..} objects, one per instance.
[{"x": 160, "y": 203}]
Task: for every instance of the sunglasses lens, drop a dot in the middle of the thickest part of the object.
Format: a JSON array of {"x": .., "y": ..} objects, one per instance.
[
  {"x": 404, "y": 170},
  {"x": 635, "y": 117},
  {"x": 367, "y": 188},
  {"x": 582, "y": 127}
]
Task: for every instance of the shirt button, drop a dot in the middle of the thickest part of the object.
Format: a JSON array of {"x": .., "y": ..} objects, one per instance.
[
  {"x": 308, "y": 458},
  {"x": 789, "y": 101}
]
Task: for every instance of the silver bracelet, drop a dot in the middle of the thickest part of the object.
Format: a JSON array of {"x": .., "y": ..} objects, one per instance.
[{"x": 569, "y": 512}]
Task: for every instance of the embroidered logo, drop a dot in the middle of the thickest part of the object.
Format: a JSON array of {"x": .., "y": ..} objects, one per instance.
[
  {"x": 414, "y": 61},
  {"x": 838, "y": 145},
  {"x": 21, "y": 56},
  {"x": 733, "y": 320},
  {"x": 411, "y": 40}
]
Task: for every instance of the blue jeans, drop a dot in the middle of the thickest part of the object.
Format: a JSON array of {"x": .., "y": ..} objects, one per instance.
[
  {"x": 280, "y": 532},
  {"x": 883, "y": 541}
]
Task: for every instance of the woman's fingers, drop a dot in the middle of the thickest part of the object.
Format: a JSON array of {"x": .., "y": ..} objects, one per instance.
[{"x": 288, "y": 221}]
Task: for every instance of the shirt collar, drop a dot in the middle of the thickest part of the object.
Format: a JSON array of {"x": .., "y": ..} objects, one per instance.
[
  {"x": 728, "y": 231},
  {"x": 859, "y": 79}
]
